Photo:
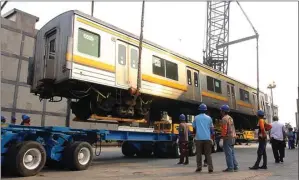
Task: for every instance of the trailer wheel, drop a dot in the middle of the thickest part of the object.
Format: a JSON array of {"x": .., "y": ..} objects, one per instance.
[
  {"x": 26, "y": 158},
  {"x": 128, "y": 149},
  {"x": 78, "y": 156}
]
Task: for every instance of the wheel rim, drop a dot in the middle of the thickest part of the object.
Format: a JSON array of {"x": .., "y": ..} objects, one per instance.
[
  {"x": 84, "y": 156},
  {"x": 32, "y": 158}
]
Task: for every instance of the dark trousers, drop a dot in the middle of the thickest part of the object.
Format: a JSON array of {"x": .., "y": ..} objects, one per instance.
[
  {"x": 204, "y": 146},
  {"x": 278, "y": 148},
  {"x": 261, "y": 152},
  {"x": 184, "y": 151}
]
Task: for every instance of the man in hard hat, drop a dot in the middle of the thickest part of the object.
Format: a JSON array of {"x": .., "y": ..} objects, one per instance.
[
  {"x": 25, "y": 120},
  {"x": 228, "y": 134},
  {"x": 183, "y": 140},
  {"x": 203, "y": 129},
  {"x": 262, "y": 139},
  {"x": 3, "y": 121},
  {"x": 13, "y": 120}
]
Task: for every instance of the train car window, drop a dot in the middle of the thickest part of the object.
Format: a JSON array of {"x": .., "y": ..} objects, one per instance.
[
  {"x": 172, "y": 70},
  {"x": 195, "y": 79},
  {"x": 134, "y": 58},
  {"x": 158, "y": 66},
  {"x": 233, "y": 91},
  {"x": 217, "y": 86},
  {"x": 189, "y": 77},
  {"x": 228, "y": 89},
  {"x": 52, "y": 46},
  {"x": 210, "y": 83},
  {"x": 122, "y": 54},
  {"x": 244, "y": 95},
  {"x": 88, "y": 43}
]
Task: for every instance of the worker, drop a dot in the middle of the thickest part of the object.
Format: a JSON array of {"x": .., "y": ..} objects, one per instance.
[
  {"x": 262, "y": 140},
  {"x": 228, "y": 134},
  {"x": 25, "y": 120},
  {"x": 3, "y": 119},
  {"x": 13, "y": 120},
  {"x": 277, "y": 139},
  {"x": 203, "y": 129},
  {"x": 183, "y": 140}
]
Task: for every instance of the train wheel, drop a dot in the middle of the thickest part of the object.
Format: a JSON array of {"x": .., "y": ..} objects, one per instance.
[
  {"x": 26, "y": 158},
  {"x": 78, "y": 156},
  {"x": 128, "y": 149}
]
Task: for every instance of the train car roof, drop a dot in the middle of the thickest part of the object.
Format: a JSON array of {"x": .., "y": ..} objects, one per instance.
[{"x": 152, "y": 44}]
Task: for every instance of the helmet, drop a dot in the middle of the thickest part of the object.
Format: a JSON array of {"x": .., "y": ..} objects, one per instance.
[
  {"x": 25, "y": 117},
  {"x": 225, "y": 108},
  {"x": 260, "y": 113},
  {"x": 202, "y": 107},
  {"x": 182, "y": 117}
]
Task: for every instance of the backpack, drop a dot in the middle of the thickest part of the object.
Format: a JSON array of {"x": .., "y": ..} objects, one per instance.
[{"x": 268, "y": 127}]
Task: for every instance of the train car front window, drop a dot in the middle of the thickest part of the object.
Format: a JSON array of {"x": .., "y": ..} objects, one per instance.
[{"x": 88, "y": 43}]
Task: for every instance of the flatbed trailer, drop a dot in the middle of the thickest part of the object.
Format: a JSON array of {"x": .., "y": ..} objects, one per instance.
[{"x": 25, "y": 150}]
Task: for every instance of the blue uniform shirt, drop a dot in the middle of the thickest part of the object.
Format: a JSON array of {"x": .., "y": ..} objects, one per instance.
[{"x": 203, "y": 124}]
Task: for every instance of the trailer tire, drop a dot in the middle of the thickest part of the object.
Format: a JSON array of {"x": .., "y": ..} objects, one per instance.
[
  {"x": 78, "y": 156},
  {"x": 128, "y": 149},
  {"x": 32, "y": 152}
]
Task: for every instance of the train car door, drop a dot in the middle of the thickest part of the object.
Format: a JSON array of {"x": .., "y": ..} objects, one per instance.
[
  {"x": 193, "y": 91},
  {"x": 122, "y": 57},
  {"x": 133, "y": 66},
  {"x": 50, "y": 55},
  {"x": 231, "y": 95},
  {"x": 190, "y": 89},
  {"x": 197, "y": 96}
]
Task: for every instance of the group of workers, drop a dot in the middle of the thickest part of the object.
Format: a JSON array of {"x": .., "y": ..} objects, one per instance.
[
  {"x": 25, "y": 120},
  {"x": 204, "y": 133}
]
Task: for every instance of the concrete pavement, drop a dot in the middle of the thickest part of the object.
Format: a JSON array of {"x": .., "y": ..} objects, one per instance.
[{"x": 111, "y": 164}]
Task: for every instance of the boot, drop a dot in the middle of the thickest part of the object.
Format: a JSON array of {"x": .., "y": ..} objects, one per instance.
[
  {"x": 187, "y": 161},
  {"x": 181, "y": 160}
]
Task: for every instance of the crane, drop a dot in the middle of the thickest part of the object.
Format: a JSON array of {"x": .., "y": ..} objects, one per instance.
[{"x": 217, "y": 37}]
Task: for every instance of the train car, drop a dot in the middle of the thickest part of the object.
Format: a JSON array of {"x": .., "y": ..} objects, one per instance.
[{"x": 96, "y": 64}]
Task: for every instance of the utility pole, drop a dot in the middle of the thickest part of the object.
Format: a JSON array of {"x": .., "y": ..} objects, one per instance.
[{"x": 271, "y": 87}]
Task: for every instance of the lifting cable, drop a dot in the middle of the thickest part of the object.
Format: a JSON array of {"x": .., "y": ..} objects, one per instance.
[{"x": 140, "y": 52}]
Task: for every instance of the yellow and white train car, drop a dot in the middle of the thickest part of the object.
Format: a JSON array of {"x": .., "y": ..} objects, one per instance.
[{"x": 80, "y": 57}]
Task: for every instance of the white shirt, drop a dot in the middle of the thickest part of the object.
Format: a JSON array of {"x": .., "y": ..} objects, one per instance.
[{"x": 276, "y": 130}]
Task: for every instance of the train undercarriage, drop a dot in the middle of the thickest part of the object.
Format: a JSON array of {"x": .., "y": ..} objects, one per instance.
[{"x": 89, "y": 99}]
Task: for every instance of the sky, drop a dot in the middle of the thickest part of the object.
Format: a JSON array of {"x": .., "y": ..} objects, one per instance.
[{"x": 180, "y": 26}]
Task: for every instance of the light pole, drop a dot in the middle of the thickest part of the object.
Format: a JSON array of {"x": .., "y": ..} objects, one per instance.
[{"x": 272, "y": 86}]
